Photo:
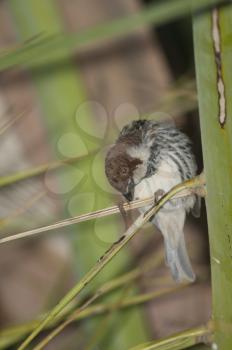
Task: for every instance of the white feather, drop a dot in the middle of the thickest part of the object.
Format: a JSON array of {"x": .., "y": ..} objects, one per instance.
[
  {"x": 170, "y": 219},
  {"x": 164, "y": 179}
]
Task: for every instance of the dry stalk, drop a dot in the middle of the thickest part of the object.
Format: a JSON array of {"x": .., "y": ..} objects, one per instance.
[{"x": 200, "y": 190}]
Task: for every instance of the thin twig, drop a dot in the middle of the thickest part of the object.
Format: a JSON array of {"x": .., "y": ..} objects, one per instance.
[
  {"x": 77, "y": 219},
  {"x": 90, "y": 216},
  {"x": 12, "y": 121},
  {"x": 198, "y": 181},
  {"x": 22, "y": 209}
]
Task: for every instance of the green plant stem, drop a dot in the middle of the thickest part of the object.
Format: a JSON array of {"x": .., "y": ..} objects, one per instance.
[
  {"x": 179, "y": 341},
  {"x": 213, "y": 56},
  {"x": 39, "y": 170},
  {"x": 46, "y": 50},
  {"x": 107, "y": 257},
  {"x": 132, "y": 301},
  {"x": 121, "y": 281},
  {"x": 12, "y": 334},
  {"x": 101, "y": 330}
]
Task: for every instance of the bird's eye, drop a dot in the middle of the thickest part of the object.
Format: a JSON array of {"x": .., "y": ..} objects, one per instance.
[{"x": 124, "y": 171}]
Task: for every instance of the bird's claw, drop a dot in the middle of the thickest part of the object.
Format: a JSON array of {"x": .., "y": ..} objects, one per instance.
[{"x": 158, "y": 194}]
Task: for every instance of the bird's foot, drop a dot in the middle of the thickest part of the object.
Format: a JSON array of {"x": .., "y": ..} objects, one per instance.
[{"x": 158, "y": 194}]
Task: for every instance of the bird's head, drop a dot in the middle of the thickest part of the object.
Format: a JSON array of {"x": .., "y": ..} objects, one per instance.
[{"x": 119, "y": 169}]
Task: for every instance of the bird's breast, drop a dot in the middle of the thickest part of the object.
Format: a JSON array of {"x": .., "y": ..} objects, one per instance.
[{"x": 164, "y": 178}]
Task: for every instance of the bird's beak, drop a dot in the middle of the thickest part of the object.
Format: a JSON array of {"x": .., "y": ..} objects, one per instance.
[{"x": 129, "y": 195}]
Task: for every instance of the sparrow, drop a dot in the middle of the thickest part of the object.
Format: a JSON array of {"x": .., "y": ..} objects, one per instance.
[{"x": 151, "y": 157}]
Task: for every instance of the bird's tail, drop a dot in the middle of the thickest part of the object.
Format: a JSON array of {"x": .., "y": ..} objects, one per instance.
[{"x": 178, "y": 261}]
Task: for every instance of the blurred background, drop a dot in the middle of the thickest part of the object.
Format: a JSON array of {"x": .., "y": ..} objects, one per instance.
[{"x": 66, "y": 90}]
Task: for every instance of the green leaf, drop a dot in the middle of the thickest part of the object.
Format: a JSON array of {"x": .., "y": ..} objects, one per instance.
[{"x": 50, "y": 45}]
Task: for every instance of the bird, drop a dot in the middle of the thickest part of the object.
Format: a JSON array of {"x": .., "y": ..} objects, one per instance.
[{"x": 148, "y": 158}]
